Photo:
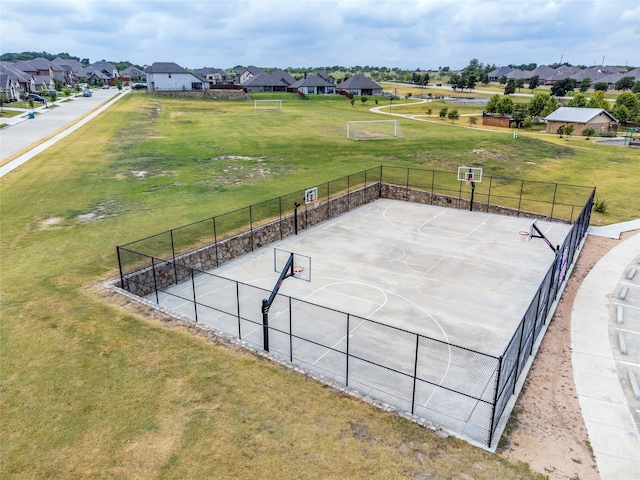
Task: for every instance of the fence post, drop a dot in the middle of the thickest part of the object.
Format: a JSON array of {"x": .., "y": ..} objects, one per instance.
[
  {"x": 520, "y": 350},
  {"x": 238, "y": 308},
  {"x": 215, "y": 241},
  {"x": 553, "y": 203},
  {"x": 495, "y": 401},
  {"x": 280, "y": 210},
  {"x": 291, "y": 332},
  {"x": 520, "y": 199},
  {"x": 251, "y": 226},
  {"x": 433, "y": 182},
  {"x": 155, "y": 283},
  {"x": 195, "y": 301},
  {"x": 173, "y": 255},
  {"x": 348, "y": 192},
  {"x": 120, "y": 267},
  {"x": 489, "y": 194},
  {"x": 415, "y": 375},
  {"x": 346, "y": 376},
  {"x": 406, "y": 193},
  {"x": 380, "y": 184}
]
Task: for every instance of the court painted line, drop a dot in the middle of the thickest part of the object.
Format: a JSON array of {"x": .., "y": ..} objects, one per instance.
[
  {"x": 626, "y": 306},
  {"x": 627, "y": 331}
]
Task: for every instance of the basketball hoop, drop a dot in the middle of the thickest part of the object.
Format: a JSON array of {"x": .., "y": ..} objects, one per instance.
[
  {"x": 297, "y": 270},
  {"x": 524, "y": 236}
]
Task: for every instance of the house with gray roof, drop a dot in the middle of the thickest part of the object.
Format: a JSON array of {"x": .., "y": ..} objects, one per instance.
[
  {"x": 246, "y": 74},
  {"x": 133, "y": 74},
  {"x": 264, "y": 82},
  {"x": 169, "y": 76},
  {"x": 16, "y": 82},
  {"x": 359, "y": 85},
  {"x": 313, "y": 84},
  {"x": 597, "y": 118},
  {"x": 215, "y": 76},
  {"x": 496, "y": 75}
]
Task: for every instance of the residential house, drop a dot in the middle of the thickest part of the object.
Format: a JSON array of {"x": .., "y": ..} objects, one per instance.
[
  {"x": 108, "y": 71},
  {"x": 359, "y": 85},
  {"x": 264, "y": 82},
  {"x": 92, "y": 76},
  {"x": 246, "y": 74},
  {"x": 284, "y": 77},
  {"x": 169, "y": 76},
  {"x": 597, "y": 118},
  {"x": 215, "y": 76},
  {"x": 313, "y": 84},
  {"x": 18, "y": 81},
  {"x": 133, "y": 74},
  {"x": 497, "y": 74}
]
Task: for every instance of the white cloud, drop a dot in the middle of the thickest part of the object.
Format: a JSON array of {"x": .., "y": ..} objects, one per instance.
[{"x": 313, "y": 33}]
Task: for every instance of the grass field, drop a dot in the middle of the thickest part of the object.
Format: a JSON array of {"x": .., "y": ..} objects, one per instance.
[{"x": 94, "y": 388}]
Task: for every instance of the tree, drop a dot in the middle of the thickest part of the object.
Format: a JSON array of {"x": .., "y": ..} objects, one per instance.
[
  {"x": 363, "y": 99},
  {"x": 453, "y": 115},
  {"x": 601, "y": 87},
  {"x": 597, "y": 100},
  {"x": 568, "y": 129},
  {"x": 621, "y": 113},
  {"x": 492, "y": 104},
  {"x": 636, "y": 87},
  {"x": 584, "y": 84},
  {"x": 473, "y": 120},
  {"x": 625, "y": 83},
  {"x": 579, "y": 100},
  {"x": 537, "y": 104},
  {"x": 551, "y": 106},
  {"x": 472, "y": 80},
  {"x": 510, "y": 87},
  {"x": 534, "y": 82},
  {"x": 443, "y": 112},
  {"x": 484, "y": 78},
  {"x": 3, "y": 100},
  {"x": 505, "y": 106},
  {"x": 519, "y": 114},
  {"x": 519, "y": 83},
  {"x": 502, "y": 80},
  {"x": 561, "y": 87},
  {"x": 455, "y": 81}
]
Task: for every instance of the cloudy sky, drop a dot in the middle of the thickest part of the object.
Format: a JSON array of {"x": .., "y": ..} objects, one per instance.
[{"x": 410, "y": 34}]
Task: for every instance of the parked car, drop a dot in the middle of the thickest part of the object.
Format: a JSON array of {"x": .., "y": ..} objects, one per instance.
[
  {"x": 139, "y": 86},
  {"x": 105, "y": 87},
  {"x": 36, "y": 97},
  {"x": 84, "y": 85},
  {"x": 86, "y": 93}
]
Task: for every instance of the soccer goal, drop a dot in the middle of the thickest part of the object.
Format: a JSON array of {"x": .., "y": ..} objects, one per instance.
[
  {"x": 374, "y": 130},
  {"x": 267, "y": 104}
]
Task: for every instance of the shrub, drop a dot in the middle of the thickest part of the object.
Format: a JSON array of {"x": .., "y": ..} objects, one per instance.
[
  {"x": 589, "y": 132},
  {"x": 600, "y": 206}
]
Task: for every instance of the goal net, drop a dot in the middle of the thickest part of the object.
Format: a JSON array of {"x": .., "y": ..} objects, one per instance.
[
  {"x": 267, "y": 104},
  {"x": 374, "y": 130}
]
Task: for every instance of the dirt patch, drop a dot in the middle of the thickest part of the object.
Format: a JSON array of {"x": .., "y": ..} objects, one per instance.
[
  {"x": 550, "y": 434},
  {"x": 50, "y": 222}
]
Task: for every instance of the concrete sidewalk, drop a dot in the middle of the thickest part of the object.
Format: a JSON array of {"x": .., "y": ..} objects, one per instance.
[{"x": 610, "y": 409}]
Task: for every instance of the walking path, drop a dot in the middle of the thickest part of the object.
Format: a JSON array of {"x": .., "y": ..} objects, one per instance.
[{"x": 602, "y": 368}]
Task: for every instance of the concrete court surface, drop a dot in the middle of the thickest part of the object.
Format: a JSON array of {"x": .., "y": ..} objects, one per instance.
[{"x": 461, "y": 277}]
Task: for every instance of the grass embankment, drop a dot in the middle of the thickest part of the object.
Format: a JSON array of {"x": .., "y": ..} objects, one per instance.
[{"x": 93, "y": 389}]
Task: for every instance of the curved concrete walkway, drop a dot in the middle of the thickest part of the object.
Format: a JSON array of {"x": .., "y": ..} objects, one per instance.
[{"x": 601, "y": 366}]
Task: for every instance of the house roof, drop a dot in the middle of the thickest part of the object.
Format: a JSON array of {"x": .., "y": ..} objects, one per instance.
[
  {"x": 284, "y": 76},
  {"x": 165, "y": 67},
  {"x": 577, "y": 115},
  {"x": 133, "y": 71},
  {"x": 358, "y": 81},
  {"x": 500, "y": 72},
  {"x": 314, "y": 80},
  {"x": 75, "y": 65},
  {"x": 15, "y": 73},
  {"x": 264, "y": 80}
]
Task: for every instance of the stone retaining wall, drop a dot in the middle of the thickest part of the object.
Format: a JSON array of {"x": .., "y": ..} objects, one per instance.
[{"x": 144, "y": 281}]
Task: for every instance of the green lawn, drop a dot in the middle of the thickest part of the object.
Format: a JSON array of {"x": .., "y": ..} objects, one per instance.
[{"x": 92, "y": 387}]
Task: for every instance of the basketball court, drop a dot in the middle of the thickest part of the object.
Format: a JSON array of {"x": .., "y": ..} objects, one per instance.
[{"x": 460, "y": 277}]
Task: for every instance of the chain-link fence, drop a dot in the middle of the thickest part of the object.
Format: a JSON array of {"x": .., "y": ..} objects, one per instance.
[{"x": 464, "y": 391}]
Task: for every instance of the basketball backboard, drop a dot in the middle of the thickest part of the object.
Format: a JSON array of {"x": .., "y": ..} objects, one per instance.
[
  {"x": 301, "y": 263},
  {"x": 469, "y": 174}
]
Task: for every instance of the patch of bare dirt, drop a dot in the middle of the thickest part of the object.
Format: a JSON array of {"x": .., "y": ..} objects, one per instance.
[{"x": 551, "y": 436}]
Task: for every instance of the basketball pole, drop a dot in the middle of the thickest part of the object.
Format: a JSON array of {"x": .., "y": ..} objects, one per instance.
[
  {"x": 287, "y": 271},
  {"x": 473, "y": 190}
]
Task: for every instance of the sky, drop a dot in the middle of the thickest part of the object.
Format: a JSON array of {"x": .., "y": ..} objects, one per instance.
[{"x": 408, "y": 34}]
